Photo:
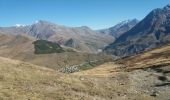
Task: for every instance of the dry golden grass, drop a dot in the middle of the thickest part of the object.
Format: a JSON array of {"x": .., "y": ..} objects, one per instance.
[
  {"x": 156, "y": 56},
  {"x": 104, "y": 70},
  {"x": 25, "y": 81}
]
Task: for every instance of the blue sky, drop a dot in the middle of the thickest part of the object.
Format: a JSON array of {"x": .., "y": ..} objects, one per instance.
[{"x": 96, "y": 14}]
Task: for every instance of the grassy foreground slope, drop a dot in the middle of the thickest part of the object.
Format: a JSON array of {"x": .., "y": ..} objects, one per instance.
[{"x": 25, "y": 81}]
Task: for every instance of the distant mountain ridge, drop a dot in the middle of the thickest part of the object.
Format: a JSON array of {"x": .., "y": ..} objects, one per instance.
[
  {"x": 85, "y": 39},
  {"x": 81, "y": 38},
  {"x": 119, "y": 28},
  {"x": 152, "y": 31}
]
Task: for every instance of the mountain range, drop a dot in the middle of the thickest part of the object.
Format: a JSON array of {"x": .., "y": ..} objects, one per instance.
[
  {"x": 82, "y": 38},
  {"x": 126, "y": 38},
  {"x": 151, "y": 32}
]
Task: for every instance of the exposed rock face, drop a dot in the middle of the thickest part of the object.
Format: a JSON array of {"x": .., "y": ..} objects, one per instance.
[
  {"x": 41, "y": 30},
  {"x": 152, "y": 31}
]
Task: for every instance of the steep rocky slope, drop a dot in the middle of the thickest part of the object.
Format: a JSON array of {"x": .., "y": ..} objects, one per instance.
[{"x": 151, "y": 32}]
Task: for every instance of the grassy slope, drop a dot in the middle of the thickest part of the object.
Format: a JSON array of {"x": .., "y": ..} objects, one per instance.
[
  {"x": 25, "y": 81},
  {"x": 157, "y": 56}
]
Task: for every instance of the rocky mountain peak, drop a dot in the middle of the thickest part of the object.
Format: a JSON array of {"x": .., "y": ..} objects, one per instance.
[
  {"x": 43, "y": 22},
  {"x": 126, "y": 22},
  {"x": 84, "y": 27},
  {"x": 167, "y": 7},
  {"x": 135, "y": 20},
  {"x": 120, "y": 28}
]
